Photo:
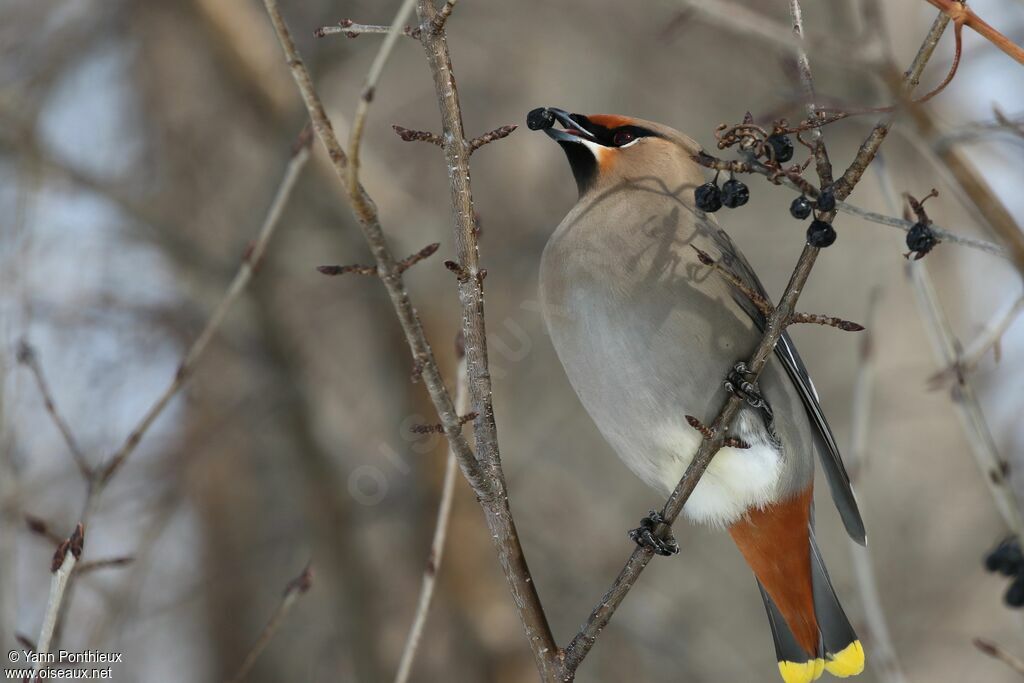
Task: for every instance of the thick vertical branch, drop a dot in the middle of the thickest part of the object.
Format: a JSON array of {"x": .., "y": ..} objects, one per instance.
[
  {"x": 387, "y": 266},
  {"x": 457, "y": 151}
]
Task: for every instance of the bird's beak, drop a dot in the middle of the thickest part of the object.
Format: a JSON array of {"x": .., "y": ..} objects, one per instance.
[{"x": 577, "y": 128}]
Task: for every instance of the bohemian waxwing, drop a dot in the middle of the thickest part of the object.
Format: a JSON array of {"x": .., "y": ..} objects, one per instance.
[{"x": 647, "y": 334}]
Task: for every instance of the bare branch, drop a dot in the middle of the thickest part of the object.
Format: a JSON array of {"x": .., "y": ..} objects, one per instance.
[
  {"x": 883, "y": 660},
  {"x": 63, "y": 565},
  {"x": 766, "y": 306},
  {"x": 988, "y": 340},
  {"x": 245, "y": 273},
  {"x": 996, "y": 652},
  {"x": 869, "y": 148},
  {"x": 826, "y": 320},
  {"x": 410, "y": 135},
  {"x": 352, "y": 29},
  {"x": 470, "y": 287},
  {"x": 106, "y": 563},
  {"x": 437, "y": 23},
  {"x": 444, "y": 510},
  {"x": 964, "y": 15},
  {"x": 387, "y": 266},
  {"x": 27, "y": 356},
  {"x": 801, "y": 185},
  {"x": 496, "y": 134},
  {"x": 401, "y": 266},
  {"x": 295, "y": 589},
  {"x": 40, "y": 527},
  {"x": 355, "y": 136}
]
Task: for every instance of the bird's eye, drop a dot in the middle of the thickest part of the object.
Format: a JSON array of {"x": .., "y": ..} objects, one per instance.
[{"x": 622, "y": 137}]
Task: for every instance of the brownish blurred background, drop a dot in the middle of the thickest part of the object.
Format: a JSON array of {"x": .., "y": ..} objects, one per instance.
[{"x": 140, "y": 144}]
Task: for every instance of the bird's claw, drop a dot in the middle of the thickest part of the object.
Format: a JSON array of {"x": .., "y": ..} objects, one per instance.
[
  {"x": 738, "y": 382},
  {"x": 644, "y": 535}
]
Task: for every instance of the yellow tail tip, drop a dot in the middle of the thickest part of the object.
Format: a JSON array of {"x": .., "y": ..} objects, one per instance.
[
  {"x": 847, "y": 662},
  {"x": 801, "y": 672}
]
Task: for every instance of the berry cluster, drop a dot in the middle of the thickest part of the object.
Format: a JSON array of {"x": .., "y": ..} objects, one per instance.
[
  {"x": 820, "y": 234},
  {"x": 710, "y": 198},
  {"x": 1008, "y": 560}
]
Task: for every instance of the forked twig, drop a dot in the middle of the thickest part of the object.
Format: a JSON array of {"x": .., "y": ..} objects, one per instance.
[{"x": 28, "y": 357}]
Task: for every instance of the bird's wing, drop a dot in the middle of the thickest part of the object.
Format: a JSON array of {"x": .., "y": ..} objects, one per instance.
[{"x": 828, "y": 451}]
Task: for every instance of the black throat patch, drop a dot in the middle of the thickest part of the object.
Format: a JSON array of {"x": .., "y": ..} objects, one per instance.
[{"x": 583, "y": 164}]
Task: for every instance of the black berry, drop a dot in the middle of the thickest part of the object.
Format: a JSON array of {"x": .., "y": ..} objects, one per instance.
[
  {"x": 821, "y": 234},
  {"x": 1015, "y": 593},
  {"x": 1006, "y": 558},
  {"x": 734, "y": 193},
  {"x": 539, "y": 119},
  {"x": 782, "y": 146},
  {"x": 921, "y": 240},
  {"x": 826, "y": 200},
  {"x": 800, "y": 208},
  {"x": 708, "y": 197}
]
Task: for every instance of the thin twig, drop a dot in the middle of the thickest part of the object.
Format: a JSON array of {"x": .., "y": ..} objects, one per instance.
[
  {"x": 352, "y": 29},
  {"x": 355, "y": 136},
  {"x": 584, "y": 640},
  {"x": 410, "y": 135},
  {"x": 996, "y": 652},
  {"x": 245, "y": 273},
  {"x": 869, "y": 148},
  {"x": 884, "y": 659},
  {"x": 766, "y": 306},
  {"x": 489, "y": 137},
  {"x": 27, "y": 356},
  {"x": 801, "y": 185},
  {"x": 444, "y": 510},
  {"x": 106, "y": 563},
  {"x": 824, "y": 166},
  {"x": 295, "y": 589},
  {"x": 989, "y": 339},
  {"x": 965, "y": 401},
  {"x": 964, "y": 15},
  {"x": 64, "y": 561}
]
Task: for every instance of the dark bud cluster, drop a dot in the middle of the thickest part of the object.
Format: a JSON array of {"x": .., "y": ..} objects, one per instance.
[
  {"x": 710, "y": 198},
  {"x": 920, "y": 240},
  {"x": 539, "y": 119},
  {"x": 821, "y": 234},
  {"x": 782, "y": 147},
  {"x": 1007, "y": 559}
]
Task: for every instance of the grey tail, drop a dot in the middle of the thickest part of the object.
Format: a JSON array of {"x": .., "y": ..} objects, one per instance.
[
  {"x": 839, "y": 650},
  {"x": 844, "y": 654}
]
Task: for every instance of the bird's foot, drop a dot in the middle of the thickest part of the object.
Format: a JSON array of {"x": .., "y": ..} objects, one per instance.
[
  {"x": 644, "y": 535},
  {"x": 740, "y": 381}
]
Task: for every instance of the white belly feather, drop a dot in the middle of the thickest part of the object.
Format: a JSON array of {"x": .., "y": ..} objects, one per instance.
[{"x": 736, "y": 479}]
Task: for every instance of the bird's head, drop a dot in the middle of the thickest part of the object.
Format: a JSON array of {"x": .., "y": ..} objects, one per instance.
[{"x": 604, "y": 149}]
